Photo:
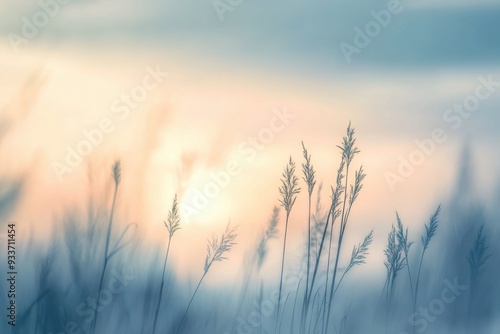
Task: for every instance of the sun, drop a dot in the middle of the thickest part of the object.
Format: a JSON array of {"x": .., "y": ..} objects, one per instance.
[{"x": 205, "y": 199}]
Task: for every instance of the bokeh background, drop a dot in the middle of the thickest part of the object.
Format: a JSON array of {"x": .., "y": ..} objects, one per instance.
[{"x": 230, "y": 71}]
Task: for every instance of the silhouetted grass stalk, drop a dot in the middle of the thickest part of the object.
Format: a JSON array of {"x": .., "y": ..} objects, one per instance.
[
  {"x": 394, "y": 263},
  {"x": 402, "y": 236},
  {"x": 336, "y": 195},
  {"x": 477, "y": 262},
  {"x": 172, "y": 225},
  {"x": 358, "y": 257},
  {"x": 309, "y": 178},
  {"x": 288, "y": 190},
  {"x": 216, "y": 250},
  {"x": 430, "y": 231},
  {"x": 117, "y": 177}
]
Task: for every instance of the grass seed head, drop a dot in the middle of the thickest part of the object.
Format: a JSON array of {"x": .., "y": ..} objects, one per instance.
[
  {"x": 402, "y": 236},
  {"x": 117, "y": 171},
  {"x": 173, "y": 221},
  {"x": 394, "y": 261},
  {"x": 430, "y": 230},
  {"x": 218, "y": 247},
  {"x": 308, "y": 170},
  {"x": 358, "y": 185},
  {"x": 348, "y": 146},
  {"x": 289, "y": 187},
  {"x": 478, "y": 254},
  {"x": 360, "y": 252},
  {"x": 270, "y": 233}
]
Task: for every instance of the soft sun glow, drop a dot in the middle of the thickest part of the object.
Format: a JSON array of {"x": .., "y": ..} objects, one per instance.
[{"x": 205, "y": 200}]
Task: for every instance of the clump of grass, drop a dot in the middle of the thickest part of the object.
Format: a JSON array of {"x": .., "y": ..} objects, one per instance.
[
  {"x": 349, "y": 150},
  {"x": 343, "y": 198},
  {"x": 309, "y": 178},
  {"x": 217, "y": 248},
  {"x": 288, "y": 190},
  {"x": 172, "y": 224},
  {"x": 398, "y": 253},
  {"x": 478, "y": 257}
]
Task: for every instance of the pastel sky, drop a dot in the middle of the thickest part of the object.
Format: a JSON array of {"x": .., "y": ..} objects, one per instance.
[{"x": 227, "y": 80}]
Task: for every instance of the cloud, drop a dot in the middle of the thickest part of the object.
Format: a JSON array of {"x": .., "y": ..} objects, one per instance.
[{"x": 287, "y": 34}]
